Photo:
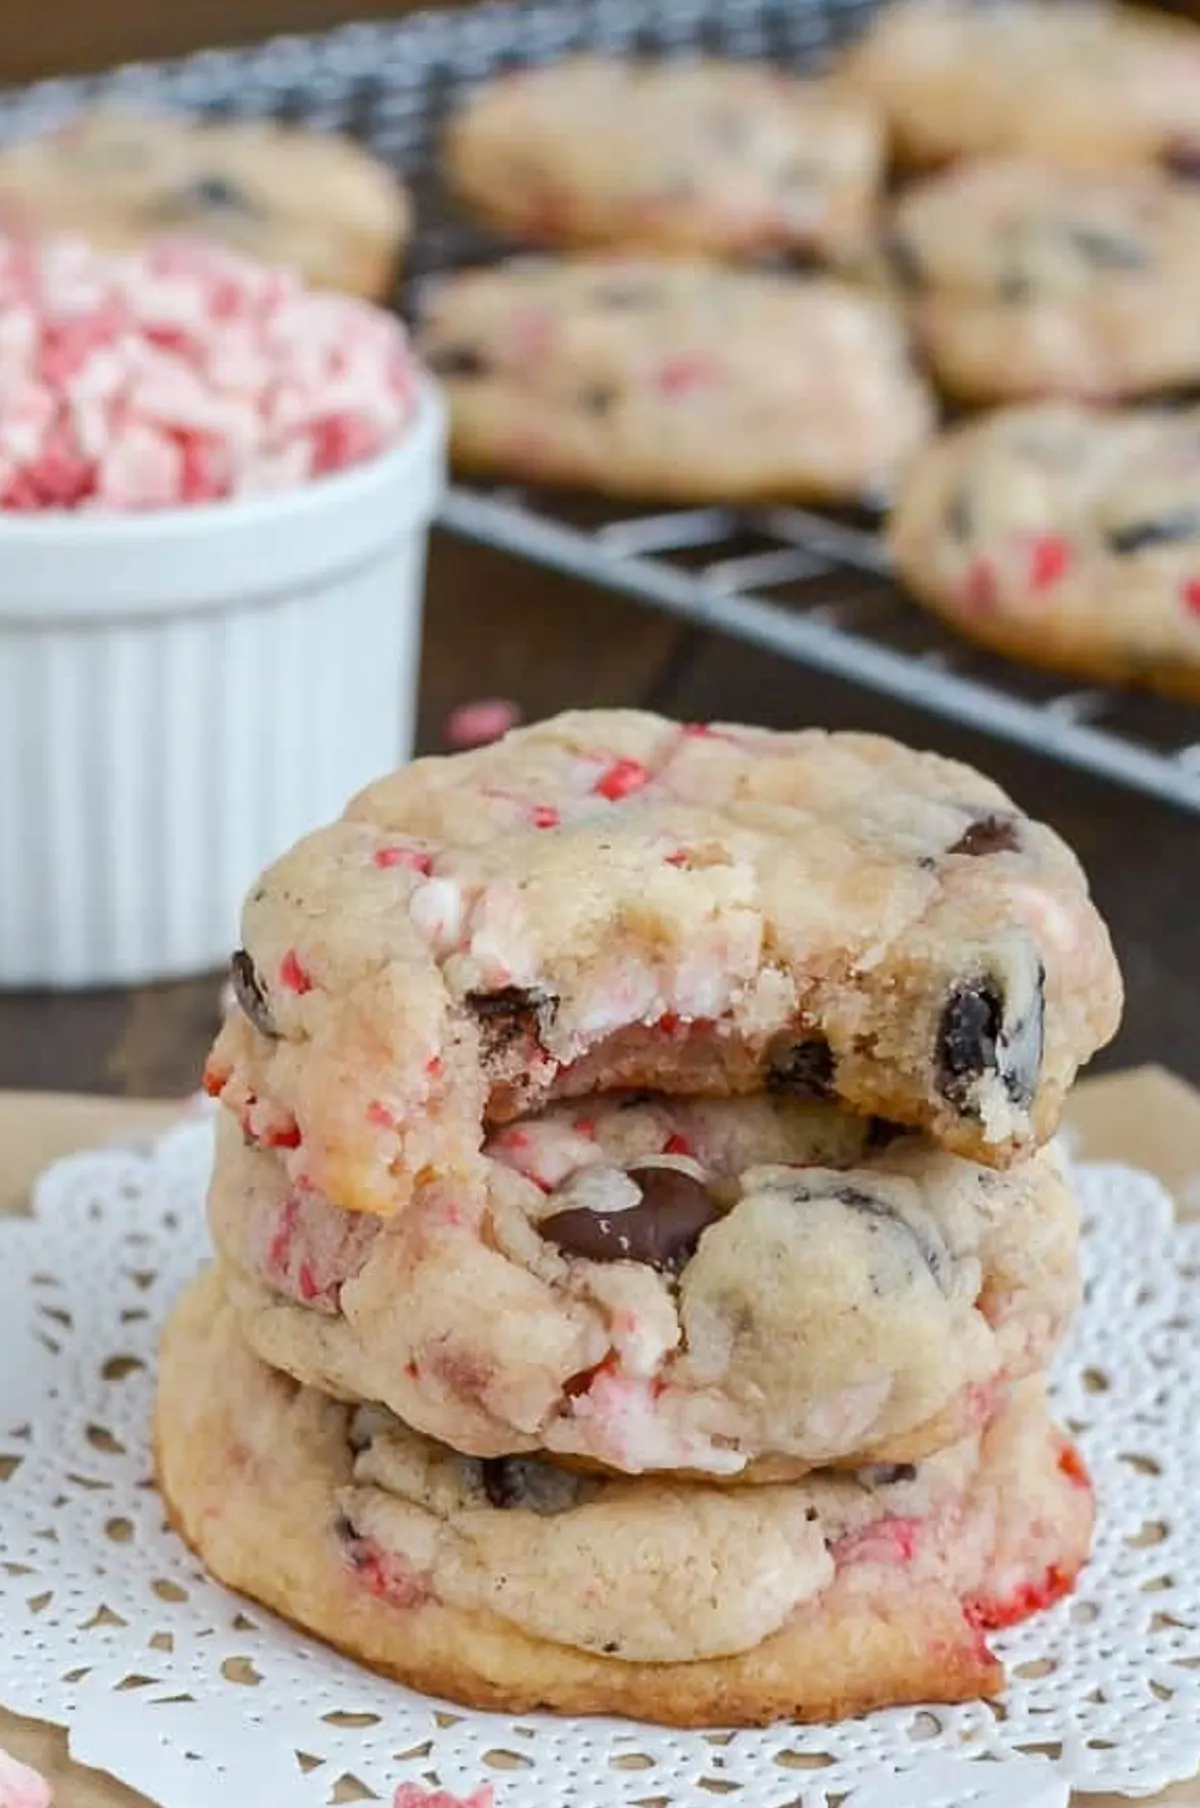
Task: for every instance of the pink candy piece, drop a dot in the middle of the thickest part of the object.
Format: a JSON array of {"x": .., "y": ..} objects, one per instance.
[
  {"x": 475, "y": 724},
  {"x": 21, "y": 1787},
  {"x": 183, "y": 374},
  {"x": 411, "y": 1795}
]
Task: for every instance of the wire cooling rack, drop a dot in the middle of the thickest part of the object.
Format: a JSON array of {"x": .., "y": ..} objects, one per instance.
[{"x": 812, "y": 587}]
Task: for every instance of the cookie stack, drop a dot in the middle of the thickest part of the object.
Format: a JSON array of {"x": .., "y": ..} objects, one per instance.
[{"x": 637, "y": 1249}]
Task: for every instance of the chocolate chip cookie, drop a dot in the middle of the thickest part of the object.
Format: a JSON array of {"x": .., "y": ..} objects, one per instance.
[
  {"x": 310, "y": 201},
  {"x": 513, "y": 1585},
  {"x": 1075, "y": 81},
  {"x": 744, "y": 1288},
  {"x": 675, "y": 380},
  {"x": 1026, "y": 279},
  {"x": 1065, "y": 536},
  {"x": 729, "y": 159},
  {"x": 610, "y": 900}
]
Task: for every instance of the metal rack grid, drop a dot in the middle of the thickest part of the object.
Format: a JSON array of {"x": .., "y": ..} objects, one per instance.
[{"x": 812, "y": 587}]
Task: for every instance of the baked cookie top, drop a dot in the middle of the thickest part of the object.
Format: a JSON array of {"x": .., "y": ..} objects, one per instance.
[
  {"x": 314, "y": 201},
  {"x": 1073, "y": 80},
  {"x": 608, "y": 899},
  {"x": 514, "y": 1585},
  {"x": 741, "y": 1287},
  {"x": 1027, "y": 278},
  {"x": 678, "y": 379},
  {"x": 1066, "y": 535},
  {"x": 730, "y": 158}
]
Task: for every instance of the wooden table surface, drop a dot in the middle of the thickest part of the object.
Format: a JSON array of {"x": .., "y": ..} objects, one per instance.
[{"x": 496, "y": 626}]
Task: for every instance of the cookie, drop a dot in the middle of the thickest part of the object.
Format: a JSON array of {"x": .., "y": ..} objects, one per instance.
[
  {"x": 1027, "y": 279},
  {"x": 515, "y": 1586},
  {"x": 725, "y": 159},
  {"x": 744, "y": 1288},
  {"x": 676, "y": 380},
  {"x": 1064, "y": 536},
  {"x": 1073, "y": 81},
  {"x": 311, "y": 201},
  {"x": 611, "y": 900}
]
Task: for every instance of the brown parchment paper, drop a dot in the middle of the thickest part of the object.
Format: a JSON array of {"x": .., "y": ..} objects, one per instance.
[{"x": 1146, "y": 1117}]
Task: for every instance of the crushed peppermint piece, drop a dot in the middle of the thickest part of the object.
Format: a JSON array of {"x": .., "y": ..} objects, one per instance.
[
  {"x": 183, "y": 374},
  {"x": 22, "y": 1787},
  {"x": 621, "y": 779},
  {"x": 478, "y": 723},
  {"x": 412, "y": 1795},
  {"x": 1191, "y": 596},
  {"x": 1049, "y": 560},
  {"x": 292, "y": 975}
]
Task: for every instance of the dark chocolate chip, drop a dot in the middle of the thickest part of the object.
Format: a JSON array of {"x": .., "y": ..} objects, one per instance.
[
  {"x": 802, "y": 1068},
  {"x": 994, "y": 833},
  {"x": 511, "y": 1014},
  {"x": 880, "y": 1213},
  {"x": 974, "y": 1040},
  {"x": 345, "y": 1530},
  {"x": 250, "y": 995},
  {"x": 904, "y": 263},
  {"x": 457, "y": 361},
  {"x": 662, "y": 1230},
  {"x": 598, "y": 400},
  {"x": 1107, "y": 250},
  {"x": 882, "y": 1132},
  {"x": 501, "y": 1479},
  {"x": 1182, "y": 158},
  {"x": 887, "y": 1475},
  {"x": 610, "y": 1647},
  {"x": 1166, "y": 530},
  {"x": 218, "y": 193}
]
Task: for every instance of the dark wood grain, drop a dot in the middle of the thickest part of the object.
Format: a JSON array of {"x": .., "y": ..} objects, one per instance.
[{"x": 495, "y": 626}]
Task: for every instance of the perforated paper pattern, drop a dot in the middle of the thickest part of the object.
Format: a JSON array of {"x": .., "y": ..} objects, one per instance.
[{"x": 180, "y": 1689}]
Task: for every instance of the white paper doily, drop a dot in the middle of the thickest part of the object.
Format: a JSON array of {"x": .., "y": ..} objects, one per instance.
[{"x": 176, "y": 1686}]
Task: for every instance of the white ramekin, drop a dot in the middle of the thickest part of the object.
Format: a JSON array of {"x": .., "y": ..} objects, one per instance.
[{"x": 184, "y": 693}]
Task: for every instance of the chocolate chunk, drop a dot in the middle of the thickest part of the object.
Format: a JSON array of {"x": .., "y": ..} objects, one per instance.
[
  {"x": 511, "y": 1014},
  {"x": 904, "y": 263},
  {"x": 976, "y": 1038},
  {"x": 218, "y": 193},
  {"x": 1166, "y": 530},
  {"x": 457, "y": 361},
  {"x": 344, "y": 1529},
  {"x": 501, "y": 1479},
  {"x": 1182, "y": 159},
  {"x": 250, "y": 995},
  {"x": 804, "y": 1069},
  {"x": 598, "y": 400},
  {"x": 994, "y": 833},
  {"x": 662, "y": 1230},
  {"x": 1107, "y": 250}
]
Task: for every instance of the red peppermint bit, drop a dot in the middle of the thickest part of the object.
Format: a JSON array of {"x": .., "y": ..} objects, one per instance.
[
  {"x": 680, "y": 858},
  {"x": 1191, "y": 596},
  {"x": 545, "y": 816},
  {"x": 435, "y": 1067},
  {"x": 292, "y": 976},
  {"x": 1072, "y": 1465},
  {"x": 1032, "y": 1597},
  {"x": 577, "y": 1385},
  {"x": 700, "y": 731},
  {"x": 677, "y": 1145},
  {"x": 689, "y": 371},
  {"x": 379, "y": 1115},
  {"x": 622, "y": 779},
  {"x": 479, "y": 723},
  {"x": 215, "y": 1080},
  {"x": 384, "y": 1577},
  {"x": 584, "y": 1126},
  {"x": 306, "y": 1282},
  {"x": 403, "y": 856},
  {"x": 515, "y": 1142},
  {"x": 285, "y": 1230},
  {"x": 980, "y": 588},
  {"x": 283, "y": 1136},
  {"x": 1049, "y": 560},
  {"x": 411, "y": 1370},
  {"x": 669, "y": 1023},
  {"x": 411, "y": 1795},
  {"x": 889, "y": 1540}
]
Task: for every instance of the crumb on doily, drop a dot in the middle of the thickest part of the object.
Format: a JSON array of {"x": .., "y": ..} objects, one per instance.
[
  {"x": 411, "y": 1795},
  {"x": 22, "y": 1787}
]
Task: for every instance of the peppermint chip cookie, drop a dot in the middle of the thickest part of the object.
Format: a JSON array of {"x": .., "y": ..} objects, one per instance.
[
  {"x": 730, "y": 159},
  {"x": 1027, "y": 279},
  {"x": 1064, "y": 536},
  {"x": 675, "y": 380},
  {"x": 1074, "y": 81},
  {"x": 749, "y": 1287},
  {"x": 513, "y": 1585},
  {"x": 311, "y": 201},
  {"x": 610, "y": 900}
]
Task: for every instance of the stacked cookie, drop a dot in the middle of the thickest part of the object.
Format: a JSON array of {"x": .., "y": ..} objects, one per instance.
[{"x": 638, "y": 1247}]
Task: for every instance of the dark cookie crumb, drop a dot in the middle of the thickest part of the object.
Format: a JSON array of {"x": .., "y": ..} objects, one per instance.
[
  {"x": 995, "y": 833},
  {"x": 805, "y": 1069},
  {"x": 500, "y": 1477},
  {"x": 458, "y": 361},
  {"x": 509, "y": 1015}
]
